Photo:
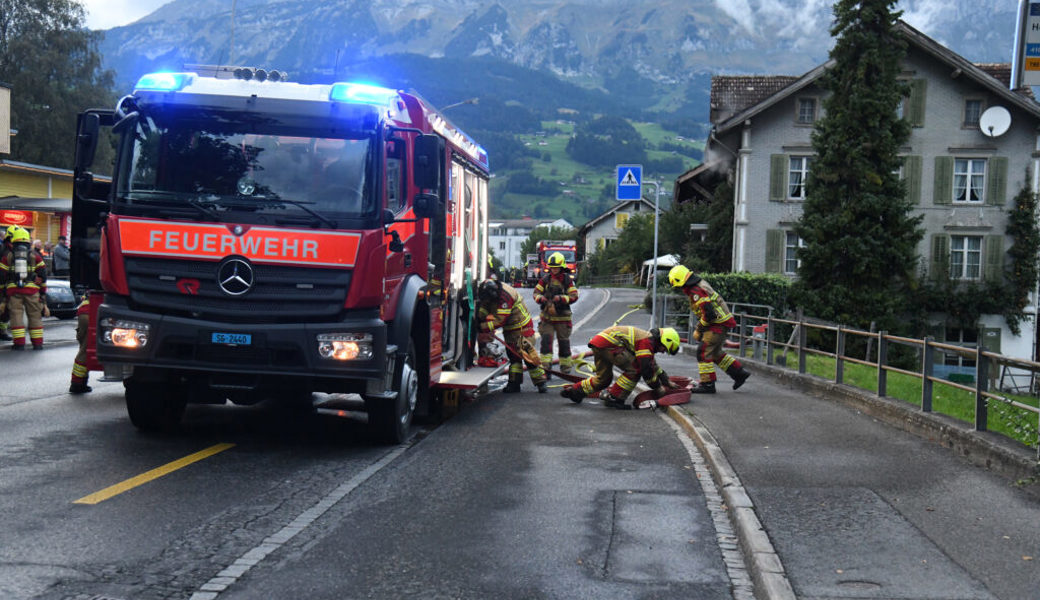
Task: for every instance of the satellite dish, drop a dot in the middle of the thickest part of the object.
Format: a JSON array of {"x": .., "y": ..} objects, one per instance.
[{"x": 995, "y": 121}]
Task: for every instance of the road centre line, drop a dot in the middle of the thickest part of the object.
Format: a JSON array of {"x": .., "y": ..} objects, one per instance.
[{"x": 119, "y": 488}]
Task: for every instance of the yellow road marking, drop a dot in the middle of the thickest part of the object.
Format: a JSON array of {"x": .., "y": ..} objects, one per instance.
[{"x": 119, "y": 488}]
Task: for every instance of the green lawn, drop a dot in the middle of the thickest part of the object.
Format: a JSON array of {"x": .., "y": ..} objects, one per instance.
[{"x": 1003, "y": 418}]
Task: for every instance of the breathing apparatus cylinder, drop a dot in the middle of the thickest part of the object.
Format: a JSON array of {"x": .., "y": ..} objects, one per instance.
[{"x": 22, "y": 250}]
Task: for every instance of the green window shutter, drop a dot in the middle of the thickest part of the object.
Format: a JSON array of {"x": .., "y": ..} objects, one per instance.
[
  {"x": 940, "y": 256},
  {"x": 942, "y": 191},
  {"x": 912, "y": 178},
  {"x": 775, "y": 250},
  {"x": 778, "y": 177},
  {"x": 915, "y": 104},
  {"x": 996, "y": 181},
  {"x": 993, "y": 265}
]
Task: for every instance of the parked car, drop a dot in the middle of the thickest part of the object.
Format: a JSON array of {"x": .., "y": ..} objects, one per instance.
[{"x": 60, "y": 299}]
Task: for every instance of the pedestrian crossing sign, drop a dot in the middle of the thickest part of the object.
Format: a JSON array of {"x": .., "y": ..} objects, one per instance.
[{"x": 629, "y": 182}]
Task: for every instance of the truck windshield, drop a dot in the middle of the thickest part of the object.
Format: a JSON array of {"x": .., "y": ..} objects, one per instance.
[{"x": 207, "y": 167}]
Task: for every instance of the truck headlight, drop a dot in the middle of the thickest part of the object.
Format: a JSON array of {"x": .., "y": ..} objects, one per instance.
[
  {"x": 345, "y": 346},
  {"x": 124, "y": 334}
]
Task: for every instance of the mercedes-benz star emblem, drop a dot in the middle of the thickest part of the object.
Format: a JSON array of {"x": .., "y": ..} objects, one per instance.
[{"x": 235, "y": 277}]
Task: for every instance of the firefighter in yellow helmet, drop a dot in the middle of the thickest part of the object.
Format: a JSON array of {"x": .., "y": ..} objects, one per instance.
[
  {"x": 499, "y": 305},
  {"x": 4, "y": 314},
  {"x": 632, "y": 350},
  {"x": 714, "y": 319},
  {"x": 23, "y": 275},
  {"x": 555, "y": 292}
]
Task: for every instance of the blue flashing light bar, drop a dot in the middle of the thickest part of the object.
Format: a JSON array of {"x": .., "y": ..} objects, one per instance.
[
  {"x": 362, "y": 93},
  {"x": 163, "y": 82}
]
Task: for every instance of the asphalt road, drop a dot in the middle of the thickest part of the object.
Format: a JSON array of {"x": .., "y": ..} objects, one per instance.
[{"x": 518, "y": 496}]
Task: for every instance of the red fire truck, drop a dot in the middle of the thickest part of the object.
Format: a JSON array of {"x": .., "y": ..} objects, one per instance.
[
  {"x": 268, "y": 239},
  {"x": 568, "y": 248}
]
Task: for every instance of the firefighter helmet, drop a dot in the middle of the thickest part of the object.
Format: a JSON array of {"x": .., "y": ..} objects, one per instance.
[
  {"x": 669, "y": 338},
  {"x": 678, "y": 276},
  {"x": 488, "y": 291},
  {"x": 9, "y": 232},
  {"x": 556, "y": 260},
  {"x": 20, "y": 234}
]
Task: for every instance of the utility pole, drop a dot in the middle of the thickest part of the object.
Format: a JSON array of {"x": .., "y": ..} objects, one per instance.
[{"x": 653, "y": 270}]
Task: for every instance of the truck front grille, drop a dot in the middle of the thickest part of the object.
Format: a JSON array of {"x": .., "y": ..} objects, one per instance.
[{"x": 279, "y": 293}]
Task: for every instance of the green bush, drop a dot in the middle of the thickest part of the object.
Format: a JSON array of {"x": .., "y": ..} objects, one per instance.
[{"x": 768, "y": 289}]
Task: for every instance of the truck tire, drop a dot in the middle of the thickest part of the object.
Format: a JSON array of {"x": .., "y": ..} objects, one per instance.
[
  {"x": 390, "y": 421},
  {"x": 154, "y": 406}
]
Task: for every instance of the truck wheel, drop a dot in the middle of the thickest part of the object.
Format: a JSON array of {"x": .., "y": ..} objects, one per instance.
[
  {"x": 154, "y": 406},
  {"x": 391, "y": 420}
]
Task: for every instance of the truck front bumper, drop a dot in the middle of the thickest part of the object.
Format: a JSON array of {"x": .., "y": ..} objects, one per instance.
[{"x": 268, "y": 350}]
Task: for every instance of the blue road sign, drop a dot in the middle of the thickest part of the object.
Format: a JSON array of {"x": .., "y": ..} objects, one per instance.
[{"x": 629, "y": 182}]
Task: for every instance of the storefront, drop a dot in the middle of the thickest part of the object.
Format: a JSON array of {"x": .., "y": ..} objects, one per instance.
[{"x": 37, "y": 198}]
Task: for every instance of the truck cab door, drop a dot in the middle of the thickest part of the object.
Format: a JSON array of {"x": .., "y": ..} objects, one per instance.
[{"x": 90, "y": 201}]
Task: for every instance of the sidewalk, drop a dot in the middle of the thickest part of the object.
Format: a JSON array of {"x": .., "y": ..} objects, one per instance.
[{"x": 855, "y": 507}]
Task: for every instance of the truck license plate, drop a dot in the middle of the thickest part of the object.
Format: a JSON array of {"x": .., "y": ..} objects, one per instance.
[{"x": 235, "y": 339}]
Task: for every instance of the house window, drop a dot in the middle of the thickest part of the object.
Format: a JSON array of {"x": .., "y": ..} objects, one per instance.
[
  {"x": 797, "y": 174},
  {"x": 791, "y": 244},
  {"x": 969, "y": 338},
  {"x": 620, "y": 220},
  {"x": 501, "y": 245},
  {"x": 806, "y": 111},
  {"x": 965, "y": 257},
  {"x": 972, "y": 112},
  {"x": 969, "y": 179}
]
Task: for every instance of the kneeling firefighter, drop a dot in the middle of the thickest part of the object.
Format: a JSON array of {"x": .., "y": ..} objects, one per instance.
[{"x": 632, "y": 350}]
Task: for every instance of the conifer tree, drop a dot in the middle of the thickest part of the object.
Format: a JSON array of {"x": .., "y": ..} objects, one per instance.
[{"x": 860, "y": 256}]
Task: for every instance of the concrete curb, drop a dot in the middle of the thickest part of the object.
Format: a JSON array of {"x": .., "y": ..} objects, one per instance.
[
  {"x": 767, "y": 571},
  {"x": 989, "y": 450}
]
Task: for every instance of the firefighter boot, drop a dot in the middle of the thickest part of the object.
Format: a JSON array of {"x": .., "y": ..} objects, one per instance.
[
  {"x": 512, "y": 387},
  {"x": 574, "y": 394},
  {"x": 543, "y": 388},
  {"x": 612, "y": 401},
  {"x": 739, "y": 375},
  {"x": 705, "y": 387},
  {"x": 79, "y": 387}
]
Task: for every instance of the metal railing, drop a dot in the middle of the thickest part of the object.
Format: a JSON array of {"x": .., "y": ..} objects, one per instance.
[
  {"x": 987, "y": 364},
  {"x": 616, "y": 279}
]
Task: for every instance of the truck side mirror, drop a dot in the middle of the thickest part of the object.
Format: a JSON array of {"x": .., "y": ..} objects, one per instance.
[
  {"x": 427, "y": 206},
  {"x": 428, "y": 157},
  {"x": 86, "y": 140}
]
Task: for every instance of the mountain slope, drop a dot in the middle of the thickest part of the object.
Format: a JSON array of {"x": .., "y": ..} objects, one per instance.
[{"x": 586, "y": 41}]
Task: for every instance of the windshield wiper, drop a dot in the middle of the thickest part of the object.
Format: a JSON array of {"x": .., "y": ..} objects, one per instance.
[
  {"x": 280, "y": 202},
  {"x": 183, "y": 202},
  {"x": 203, "y": 209}
]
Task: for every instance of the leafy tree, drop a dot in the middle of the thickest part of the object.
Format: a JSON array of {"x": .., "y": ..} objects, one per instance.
[
  {"x": 626, "y": 254},
  {"x": 52, "y": 65},
  {"x": 607, "y": 141},
  {"x": 858, "y": 263}
]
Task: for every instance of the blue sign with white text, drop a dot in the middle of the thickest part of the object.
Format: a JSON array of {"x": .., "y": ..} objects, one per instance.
[{"x": 629, "y": 182}]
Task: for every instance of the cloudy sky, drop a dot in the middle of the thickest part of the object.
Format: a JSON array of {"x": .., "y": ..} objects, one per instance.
[{"x": 106, "y": 14}]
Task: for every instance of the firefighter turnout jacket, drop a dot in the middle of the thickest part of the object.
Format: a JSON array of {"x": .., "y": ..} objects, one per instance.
[{"x": 555, "y": 293}]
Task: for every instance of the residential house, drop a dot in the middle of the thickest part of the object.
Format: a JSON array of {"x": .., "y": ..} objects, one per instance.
[
  {"x": 959, "y": 176},
  {"x": 603, "y": 230}
]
